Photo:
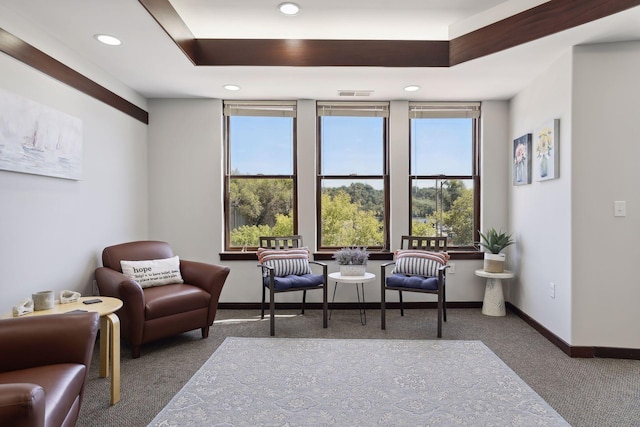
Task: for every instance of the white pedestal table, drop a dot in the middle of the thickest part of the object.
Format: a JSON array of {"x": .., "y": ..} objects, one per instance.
[{"x": 493, "y": 304}]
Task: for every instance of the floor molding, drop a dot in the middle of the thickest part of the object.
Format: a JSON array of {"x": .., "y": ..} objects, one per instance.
[
  {"x": 576, "y": 351},
  {"x": 569, "y": 350}
]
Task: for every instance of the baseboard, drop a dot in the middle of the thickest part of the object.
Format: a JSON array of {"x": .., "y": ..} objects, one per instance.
[
  {"x": 346, "y": 305},
  {"x": 571, "y": 351},
  {"x": 576, "y": 351}
]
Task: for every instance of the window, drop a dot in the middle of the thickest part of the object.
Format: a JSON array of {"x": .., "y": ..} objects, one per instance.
[
  {"x": 260, "y": 177},
  {"x": 444, "y": 181},
  {"x": 352, "y": 175}
]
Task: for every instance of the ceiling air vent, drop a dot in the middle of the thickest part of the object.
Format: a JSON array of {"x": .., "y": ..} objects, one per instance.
[{"x": 355, "y": 92}]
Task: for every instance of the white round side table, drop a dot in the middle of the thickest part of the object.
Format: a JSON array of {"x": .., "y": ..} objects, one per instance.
[
  {"x": 493, "y": 304},
  {"x": 339, "y": 278}
]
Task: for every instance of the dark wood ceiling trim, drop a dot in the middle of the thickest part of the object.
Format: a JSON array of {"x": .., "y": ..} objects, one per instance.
[
  {"x": 323, "y": 53},
  {"x": 169, "y": 20},
  {"x": 540, "y": 21},
  {"x": 22, "y": 51},
  {"x": 543, "y": 20}
]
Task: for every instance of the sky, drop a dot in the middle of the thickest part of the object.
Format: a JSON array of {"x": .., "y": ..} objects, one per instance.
[{"x": 350, "y": 145}]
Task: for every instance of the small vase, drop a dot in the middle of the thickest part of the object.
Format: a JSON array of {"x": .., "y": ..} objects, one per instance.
[
  {"x": 494, "y": 263},
  {"x": 519, "y": 168},
  {"x": 353, "y": 270},
  {"x": 544, "y": 166},
  {"x": 42, "y": 300}
]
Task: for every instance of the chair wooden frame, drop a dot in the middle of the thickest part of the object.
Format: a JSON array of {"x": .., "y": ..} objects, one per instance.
[
  {"x": 288, "y": 242},
  {"x": 435, "y": 244}
]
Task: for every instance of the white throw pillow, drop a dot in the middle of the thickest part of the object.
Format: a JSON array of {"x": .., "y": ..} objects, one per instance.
[{"x": 155, "y": 272}]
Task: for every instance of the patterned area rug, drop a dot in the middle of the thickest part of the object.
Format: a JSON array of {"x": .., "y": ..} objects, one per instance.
[{"x": 330, "y": 382}]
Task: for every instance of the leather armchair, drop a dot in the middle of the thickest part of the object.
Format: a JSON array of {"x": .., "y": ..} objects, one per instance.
[
  {"x": 44, "y": 366},
  {"x": 151, "y": 313}
]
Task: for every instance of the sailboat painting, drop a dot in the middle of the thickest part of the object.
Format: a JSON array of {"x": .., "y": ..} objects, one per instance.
[{"x": 39, "y": 140}]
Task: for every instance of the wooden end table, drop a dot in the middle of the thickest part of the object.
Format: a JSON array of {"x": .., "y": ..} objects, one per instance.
[{"x": 109, "y": 334}]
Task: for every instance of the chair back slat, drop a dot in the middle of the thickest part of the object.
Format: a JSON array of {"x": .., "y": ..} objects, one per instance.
[
  {"x": 435, "y": 244},
  {"x": 281, "y": 242}
]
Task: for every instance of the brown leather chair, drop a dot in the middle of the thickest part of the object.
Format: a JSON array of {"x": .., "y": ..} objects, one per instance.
[
  {"x": 44, "y": 365},
  {"x": 148, "y": 314}
]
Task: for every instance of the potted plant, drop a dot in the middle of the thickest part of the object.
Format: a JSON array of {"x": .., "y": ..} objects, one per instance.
[
  {"x": 352, "y": 261},
  {"x": 494, "y": 242}
]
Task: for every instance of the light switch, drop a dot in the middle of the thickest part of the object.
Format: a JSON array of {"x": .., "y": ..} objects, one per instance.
[{"x": 620, "y": 208}]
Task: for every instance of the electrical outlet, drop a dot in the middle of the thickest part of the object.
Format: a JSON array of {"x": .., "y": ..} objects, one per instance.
[
  {"x": 552, "y": 290},
  {"x": 452, "y": 268},
  {"x": 620, "y": 208}
]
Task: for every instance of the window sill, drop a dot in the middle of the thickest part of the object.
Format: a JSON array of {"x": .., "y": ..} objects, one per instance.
[{"x": 328, "y": 256}]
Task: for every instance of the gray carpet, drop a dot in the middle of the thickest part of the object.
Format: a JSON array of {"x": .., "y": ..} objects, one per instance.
[
  {"x": 337, "y": 382},
  {"x": 585, "y": 392}
]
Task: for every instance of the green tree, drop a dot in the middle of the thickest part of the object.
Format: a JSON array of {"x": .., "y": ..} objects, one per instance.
[
  {"x": 346, "y": 224},
  {"x": 260, "y": 207},
  {"x": 283, "y": 227},
  {"x": 423, "y": 228},
  {"x": 364, "y": 195},
  {"x": 248, "y": 235},
  {"x": 259, "y": 201},
  {"x": 455, "y": 217},
  {"x": 459, "y": 220},
  {"x": 451, "y": 190}
]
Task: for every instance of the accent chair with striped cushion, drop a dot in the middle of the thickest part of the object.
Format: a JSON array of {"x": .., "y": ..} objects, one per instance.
[
  {"x": 286, "y": 266},
  {"x": 419, "y": 266}
]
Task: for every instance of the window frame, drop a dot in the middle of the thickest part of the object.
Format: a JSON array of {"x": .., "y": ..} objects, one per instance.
[
  {"x": 353, "y": 109},
  {"x": 262, "y": 109},
  {"x": 452, "y": 110}
]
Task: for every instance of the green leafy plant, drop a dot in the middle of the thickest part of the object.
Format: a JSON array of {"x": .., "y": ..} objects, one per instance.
[
  {"x": 495, "y": 241},
  {"x": 351, "y": 256}
]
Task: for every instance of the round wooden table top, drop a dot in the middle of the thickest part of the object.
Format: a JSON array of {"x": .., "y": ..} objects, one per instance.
[{"x": 108, "y": 305}]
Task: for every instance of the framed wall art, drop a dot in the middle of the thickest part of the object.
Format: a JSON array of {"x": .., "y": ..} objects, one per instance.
[
  {"x": 39, "y": 140},
  {"x": 546, "y": 151},
  {"x": 522, "y": 160}
]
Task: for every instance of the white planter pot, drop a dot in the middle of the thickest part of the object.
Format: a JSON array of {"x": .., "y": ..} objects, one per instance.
[
  {"x": 353, "y": 270},
  {"x": 494, "y": 263}
]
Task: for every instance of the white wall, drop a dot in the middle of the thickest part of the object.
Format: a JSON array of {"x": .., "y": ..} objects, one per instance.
[
  {"x": 185, "y": 166},
  {"x": 52, "y": 230},
  {"x": 606, "y": 149},
  {"x": 540, "y": 213},
  {"x": 566, "y": 230},
  {"x": 186, "y": 192},
  {"x": 495, "y": 157}
]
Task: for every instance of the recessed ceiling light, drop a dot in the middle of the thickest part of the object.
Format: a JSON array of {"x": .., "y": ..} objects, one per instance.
[
  {"x": 412, "y": 88},
  {"x": 231, "y": 87},
  {"x": 289, "y": 8},
  {"x": 107, "y": 39}
]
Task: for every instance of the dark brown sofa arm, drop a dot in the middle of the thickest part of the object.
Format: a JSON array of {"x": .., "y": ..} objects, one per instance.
[
  {"x": 22, "y": 405},
  {"x": 67, "y": 338},
  {"x": 112, "y": 283},
  {"x": 209, "y": 277}
]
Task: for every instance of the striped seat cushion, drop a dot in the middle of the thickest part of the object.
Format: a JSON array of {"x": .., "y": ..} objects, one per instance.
[
  {"x": 285, "y": 262},
  {"x": 416, "y": 262}
]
